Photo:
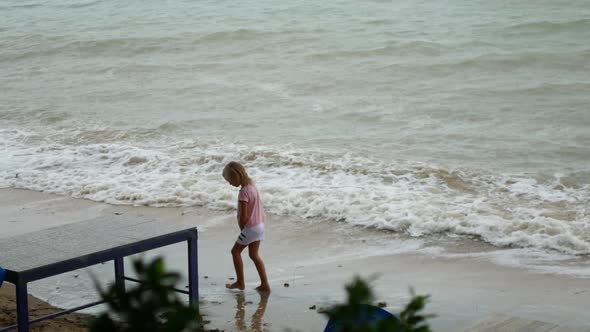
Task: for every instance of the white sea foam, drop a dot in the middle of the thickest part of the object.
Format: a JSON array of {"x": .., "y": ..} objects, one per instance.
[
  {"x": 533, "y": 259},
  {"x": 417, "y": 199}
]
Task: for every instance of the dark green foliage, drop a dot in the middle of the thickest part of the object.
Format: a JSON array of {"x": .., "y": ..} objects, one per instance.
[
  {"x": 150, "y": 306},
  {"x": 350, "y": 314}
]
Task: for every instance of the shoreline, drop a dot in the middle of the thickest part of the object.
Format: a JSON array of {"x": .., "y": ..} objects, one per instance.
[{"x": 316, "y": 260}]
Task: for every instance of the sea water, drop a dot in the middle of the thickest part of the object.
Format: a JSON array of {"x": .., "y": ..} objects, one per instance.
[{"x": 462, "y": 118}]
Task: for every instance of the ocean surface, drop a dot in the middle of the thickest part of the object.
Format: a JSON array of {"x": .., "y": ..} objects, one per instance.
[{"x": 462, "y": 118}]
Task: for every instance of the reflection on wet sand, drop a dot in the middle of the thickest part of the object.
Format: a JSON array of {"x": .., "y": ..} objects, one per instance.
[{"x": 256, "y": 320}]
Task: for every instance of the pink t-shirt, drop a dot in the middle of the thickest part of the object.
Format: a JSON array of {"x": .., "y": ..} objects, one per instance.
[{"x": 250, "y": 195}]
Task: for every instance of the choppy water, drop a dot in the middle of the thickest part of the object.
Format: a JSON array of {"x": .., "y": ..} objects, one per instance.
[{"x": 463, "y": 117}]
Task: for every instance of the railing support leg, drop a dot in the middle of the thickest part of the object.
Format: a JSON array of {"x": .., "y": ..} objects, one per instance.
[
  {"x": 120, "y": 274},
  {"x": 22, "y": 307},
  {"x": 193, "y": 273}
]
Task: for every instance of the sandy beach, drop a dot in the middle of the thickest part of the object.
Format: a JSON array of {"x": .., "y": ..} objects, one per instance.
[
  {"x": 68, "y": 323},
  {"x": 308, "y": 265}
]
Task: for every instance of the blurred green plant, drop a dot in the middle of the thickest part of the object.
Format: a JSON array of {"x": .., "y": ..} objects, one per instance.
[
  {"x": 150, "y": 306},
  {"x": 352, "y": 316}
]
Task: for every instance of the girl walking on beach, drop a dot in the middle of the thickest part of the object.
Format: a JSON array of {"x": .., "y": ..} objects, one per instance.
[{"x": 251, "y": 223}]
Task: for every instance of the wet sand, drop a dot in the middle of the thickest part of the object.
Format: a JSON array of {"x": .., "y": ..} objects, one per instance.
[{"x": 308, "y": 264}]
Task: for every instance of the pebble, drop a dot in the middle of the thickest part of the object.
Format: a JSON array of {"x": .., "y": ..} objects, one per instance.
[{"x": 286, "y": 284}]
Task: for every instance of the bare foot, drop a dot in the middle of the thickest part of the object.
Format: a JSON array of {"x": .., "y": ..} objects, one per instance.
[
  {"x": 235, "y": 285},
  {"x": 263, "y": 288}
]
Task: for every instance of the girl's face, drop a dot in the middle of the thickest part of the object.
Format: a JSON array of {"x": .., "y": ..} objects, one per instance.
[{"x": 232, "y": 181}]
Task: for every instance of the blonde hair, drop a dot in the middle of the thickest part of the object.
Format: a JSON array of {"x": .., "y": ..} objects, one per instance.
[{"x": 235, "y": 171}]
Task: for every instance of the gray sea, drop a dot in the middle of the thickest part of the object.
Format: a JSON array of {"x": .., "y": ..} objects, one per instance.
[{"x": 465, "y": 118}]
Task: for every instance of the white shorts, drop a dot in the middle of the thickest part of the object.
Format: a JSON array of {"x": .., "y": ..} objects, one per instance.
[{"x": 251, "y": 234}]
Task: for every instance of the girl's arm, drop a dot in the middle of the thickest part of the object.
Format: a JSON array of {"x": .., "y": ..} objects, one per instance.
[{"x": 243, "y": 215}]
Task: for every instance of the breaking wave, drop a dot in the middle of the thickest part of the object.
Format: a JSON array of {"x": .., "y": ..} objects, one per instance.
[{"x": 522, "y": 210}]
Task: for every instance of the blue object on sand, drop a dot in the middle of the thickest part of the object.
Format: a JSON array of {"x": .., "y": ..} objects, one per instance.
[
  {"x": 2, "y": 275},
  {"x": 369, "y": 314}
]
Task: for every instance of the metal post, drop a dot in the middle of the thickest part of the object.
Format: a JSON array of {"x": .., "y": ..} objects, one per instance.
[
  {"x": 193, "y": 274},
  {"x": 120, "y": 274},
  {"x": 22, "y": 306}
]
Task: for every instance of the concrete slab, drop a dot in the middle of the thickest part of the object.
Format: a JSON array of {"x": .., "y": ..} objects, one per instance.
[
  {"x": 27, "y": 251},
  {"x": 505, "y": 323}
]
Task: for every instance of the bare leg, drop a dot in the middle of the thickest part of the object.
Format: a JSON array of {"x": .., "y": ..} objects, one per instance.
[
  {"x": 236, "y": 253},
  {"x": 253, "y": 253}
]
